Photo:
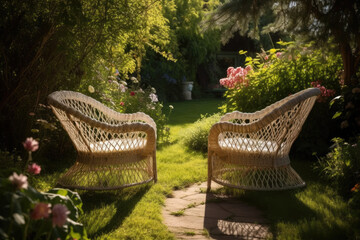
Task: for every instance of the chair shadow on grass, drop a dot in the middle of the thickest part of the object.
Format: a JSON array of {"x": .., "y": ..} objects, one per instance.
[
  {"x": 124, "y": 201},
  {"x": 239, "y": 216}
]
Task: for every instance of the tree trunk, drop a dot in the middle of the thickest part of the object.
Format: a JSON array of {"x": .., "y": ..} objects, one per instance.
[{"x": 348, "y": 59}]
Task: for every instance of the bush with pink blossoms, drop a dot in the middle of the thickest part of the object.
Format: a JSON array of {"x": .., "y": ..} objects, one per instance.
[
  {"x": 236, "y": 77},
  {"x": 325, "y": 93},
  {"x": 282, "y": 71},
  {"x": 29, "y": 214}
]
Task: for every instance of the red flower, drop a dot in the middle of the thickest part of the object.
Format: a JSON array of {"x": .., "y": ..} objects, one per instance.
[
  {"x": 132, "y": 93},
  {"x": 122, "y": 103},
  {"x": 356, "y": 188},
  {"x": 41, "y": 210},
  {"x": 34, "y": 169}
]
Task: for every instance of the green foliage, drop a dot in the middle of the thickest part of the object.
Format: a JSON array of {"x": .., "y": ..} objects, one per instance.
[
  {"x": 190, "y": 45},
  {"x": 275, "y": 77},
  {"x": 18, "y": 207},
  {"x": 129, "y": 96},
  {"x": 278, "y": 73},
  {"x": 196, "y": 137},
  {"x": 315, "y": 20},
  {"x": 342, "y": 165},
  {"x": 347, "y": 115},
  {"x": 52, "y": 45}
]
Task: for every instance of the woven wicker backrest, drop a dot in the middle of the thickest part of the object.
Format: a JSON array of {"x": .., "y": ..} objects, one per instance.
[
  {"x": 275, "y": 127},
  {"x": 90, "y": 123}
]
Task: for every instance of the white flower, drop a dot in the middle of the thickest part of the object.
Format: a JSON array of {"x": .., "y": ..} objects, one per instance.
[
  {"x": 134, "y": 80},
  {"x": 171, "y": 106},
  {"x": 123, "y": 83},
  {"x": 122, "y": 88},
  {"x": 153, "y": 90},
  {"x": 141, "y": 90},
  {"x": 91, "y": 89},
  {"x": 20, "y": 181},
  {"x": 149, "y": 106},
  {"x": 153, "y": 97}
]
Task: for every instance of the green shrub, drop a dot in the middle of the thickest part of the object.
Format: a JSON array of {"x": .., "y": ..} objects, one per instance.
[
  {"x": 29, "y": 214},
  {"x": 277, "y": 73},
  {"x": 342, "y": 167},
  {"x": 127, "y": 96},
  {"x": 196, "y": 137}
]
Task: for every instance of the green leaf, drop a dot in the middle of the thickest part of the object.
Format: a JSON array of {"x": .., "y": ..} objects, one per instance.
[
  {"x": 242, "y": 52},
  {"x": 248, "y": 59},
  {"x": 336, "y": 115}
]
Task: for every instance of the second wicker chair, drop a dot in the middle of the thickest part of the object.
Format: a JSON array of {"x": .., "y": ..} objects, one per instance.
[{"x": 251, "y": 150}]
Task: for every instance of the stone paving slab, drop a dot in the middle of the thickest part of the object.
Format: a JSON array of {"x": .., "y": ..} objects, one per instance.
[{"x": 191, "y": 213}]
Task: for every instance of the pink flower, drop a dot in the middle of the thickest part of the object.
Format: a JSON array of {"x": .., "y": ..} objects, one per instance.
[
  {"x": 31, "y": 144},
  {"x": 41, "y": 210},
  {"x": 132, "y": 93},
  {"x": 122, "y": 103},
  {"x": 278, "y": 54},
  {"x": 34, "y": 169},
  {"x": 20, "y": 181},
  {"x": 59, "y": 215},
  {"x": 266, "y": 57}
]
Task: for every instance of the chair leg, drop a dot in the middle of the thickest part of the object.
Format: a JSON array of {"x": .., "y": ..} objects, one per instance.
[
  {"x": 209, "y": 173},
  {"x": 154, "y": 167}
]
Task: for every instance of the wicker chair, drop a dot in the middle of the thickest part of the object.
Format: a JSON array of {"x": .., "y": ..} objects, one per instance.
[
  {"x": 114, "y": 150},
  {"x": 251, "y": 150}
]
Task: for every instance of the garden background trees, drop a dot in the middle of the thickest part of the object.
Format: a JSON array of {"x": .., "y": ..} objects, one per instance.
[
  {"x": 319, "y": 20},
  {"x": 51, "y": 45}
]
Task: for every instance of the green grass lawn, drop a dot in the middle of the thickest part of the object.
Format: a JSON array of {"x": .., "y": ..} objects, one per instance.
[{"x": 314, "y": 212}]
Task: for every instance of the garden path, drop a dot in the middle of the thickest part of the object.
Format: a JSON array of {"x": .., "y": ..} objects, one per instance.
[{"x": 191, "y": 213}]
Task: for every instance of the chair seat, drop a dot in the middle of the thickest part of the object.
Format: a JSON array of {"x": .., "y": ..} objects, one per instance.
[
  {"x": 115, "y": 145},
  {"x": 248, "y": 145}
]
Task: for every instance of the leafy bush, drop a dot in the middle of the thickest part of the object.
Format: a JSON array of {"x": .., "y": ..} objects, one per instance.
[
  {"x": 277, "y": 73},
  {"x": 196, "y": 137},
  {"x": 29, "y": 214},
  {"x": 127, "y": 96},
  {"x": 347, "y": 107},
  {"x": 342, "y": 166}
]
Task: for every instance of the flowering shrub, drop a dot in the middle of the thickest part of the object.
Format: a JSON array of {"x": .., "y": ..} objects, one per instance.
[
  {"x": 29, "y": 214},
  {"x": 236, "y": 77},
  {"x": 325, "y": 93},
  {"x": 277, "y": 73},
  {"x": 128, "y": 96}
]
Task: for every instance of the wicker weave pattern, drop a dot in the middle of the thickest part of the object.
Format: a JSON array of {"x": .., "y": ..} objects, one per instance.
[
  {"x": 251, "y": 150},
  {"x": 114, "y": 150}
]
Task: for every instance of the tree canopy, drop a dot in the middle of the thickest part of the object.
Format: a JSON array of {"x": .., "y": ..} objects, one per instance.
[{"x": 319, "y": 20}]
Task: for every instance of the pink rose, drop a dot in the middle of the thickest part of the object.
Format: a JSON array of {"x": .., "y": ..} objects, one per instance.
[
  {"x": 31, "y": 144},
  {"x": 34, "y": 169},
  {"x": 41, "y": 210},
  {"x": 59, "y": 215},
  {"x": 20, "y": 181}
]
